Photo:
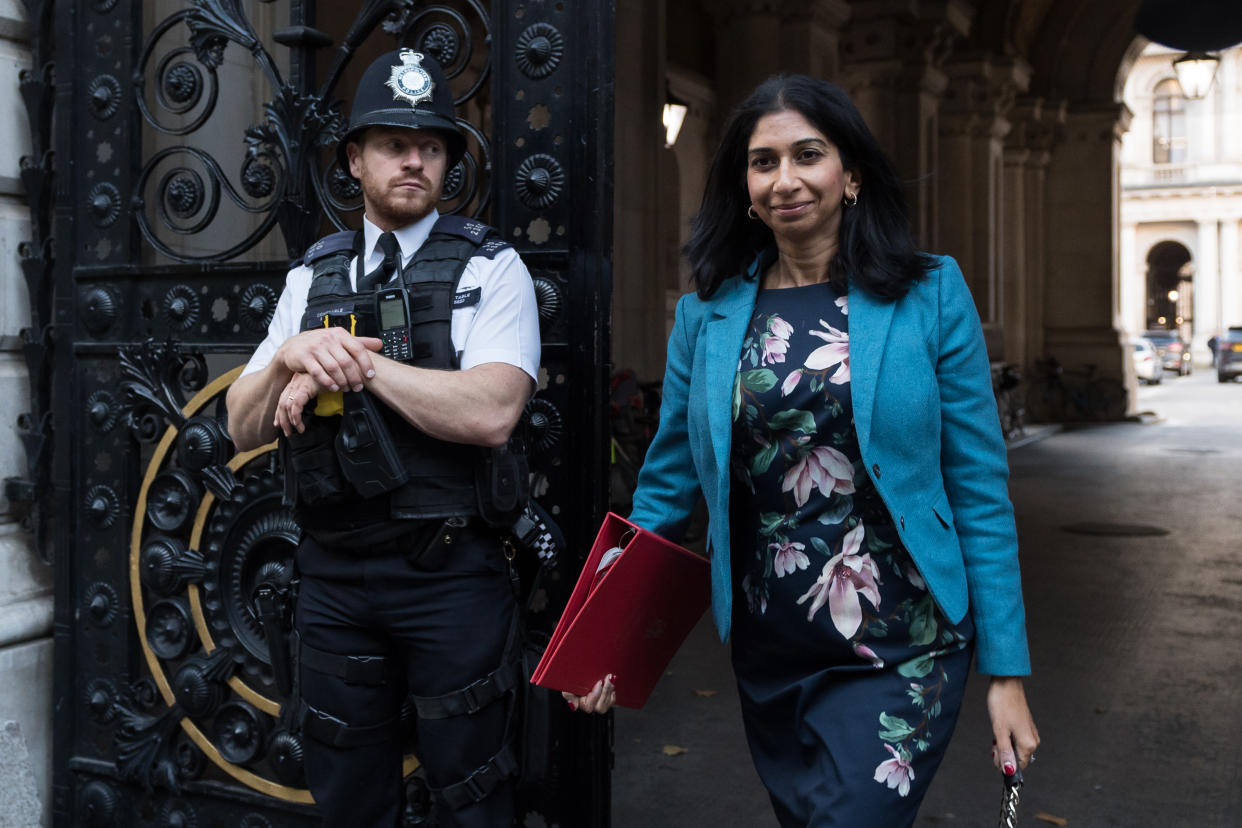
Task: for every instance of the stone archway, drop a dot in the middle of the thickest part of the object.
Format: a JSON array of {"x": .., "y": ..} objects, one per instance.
[{"x": 1170, "y": 288}]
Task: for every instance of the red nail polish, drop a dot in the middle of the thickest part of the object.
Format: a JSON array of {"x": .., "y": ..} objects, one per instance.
[
  {"x": 572, "y": 706},
  {"x": 1010, "y": 770}
]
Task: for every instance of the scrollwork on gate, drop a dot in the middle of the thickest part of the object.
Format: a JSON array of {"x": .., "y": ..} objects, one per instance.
[
  {"x": 209, "y": 526},
  {"x": 285, "y": 176}
]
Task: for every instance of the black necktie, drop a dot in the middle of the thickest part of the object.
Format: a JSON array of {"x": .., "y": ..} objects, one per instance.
[{"x": 392, "y": 261}]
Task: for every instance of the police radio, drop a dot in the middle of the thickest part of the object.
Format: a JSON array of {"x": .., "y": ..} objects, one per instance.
[{"x": 392, "y": 308}]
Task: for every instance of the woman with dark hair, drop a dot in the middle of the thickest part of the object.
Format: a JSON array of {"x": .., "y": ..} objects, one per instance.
[{"x": 829, "y": 394}]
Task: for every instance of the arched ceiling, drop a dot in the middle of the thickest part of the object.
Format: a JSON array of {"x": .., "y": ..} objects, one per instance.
[{"x": 1077, "y": 48}]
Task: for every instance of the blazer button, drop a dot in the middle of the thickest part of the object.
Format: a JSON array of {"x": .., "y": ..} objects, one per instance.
[{"x": 875, "y": 469}]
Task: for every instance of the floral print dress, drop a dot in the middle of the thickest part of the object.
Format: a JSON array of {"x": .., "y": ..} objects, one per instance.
[{"x": 850, "y": 677}]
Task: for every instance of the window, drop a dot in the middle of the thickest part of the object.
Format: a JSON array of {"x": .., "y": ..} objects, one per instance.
[{"x": 1168, "y": 133}]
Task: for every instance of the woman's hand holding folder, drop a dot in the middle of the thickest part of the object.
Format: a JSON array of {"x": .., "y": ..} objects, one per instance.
[
  {"x": 603, "y": 695},
  {"x": 601, "y": 698},
  {"x": 636, "y": 599}
]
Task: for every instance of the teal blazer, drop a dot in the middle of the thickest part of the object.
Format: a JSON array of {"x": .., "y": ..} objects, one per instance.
[{"x": 927, "y": 425}]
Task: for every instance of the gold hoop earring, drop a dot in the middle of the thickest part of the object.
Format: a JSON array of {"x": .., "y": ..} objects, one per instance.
[
  {"x": 750, "y": 211},
  {"x": 851, "y": 200}
]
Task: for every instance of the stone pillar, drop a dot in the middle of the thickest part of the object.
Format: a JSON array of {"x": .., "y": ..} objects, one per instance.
[
  {"x": 1207, "y": 284},
  {"x": 1081, "y": 300},
  {"x": 973, "y": 126},
  {"x": 1229, "y": 308},
  {"x": 1022, "y": 214},
  {"x": 1133, "y": 282},
  {"x": 25, "y": 581},
  {"x": 638, "y": 339},
  {"x": 1041, "y": 137},
  {"x": 692, "y": 153},
  {"x": 892, "y": 59},
  {"x": 759, "y": 38}
]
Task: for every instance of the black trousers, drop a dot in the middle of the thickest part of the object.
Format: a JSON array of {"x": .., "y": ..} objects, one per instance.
[{"x": 442, "y": 627}]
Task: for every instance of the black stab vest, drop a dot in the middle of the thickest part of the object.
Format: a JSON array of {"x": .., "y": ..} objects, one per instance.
[{"x": 442, "y": 475}]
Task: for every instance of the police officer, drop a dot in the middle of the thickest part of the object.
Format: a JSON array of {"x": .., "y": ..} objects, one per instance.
[{"x": 393, "y": 423}]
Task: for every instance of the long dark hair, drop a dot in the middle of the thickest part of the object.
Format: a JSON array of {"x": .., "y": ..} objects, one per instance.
[{"x": 876, "y": 249}]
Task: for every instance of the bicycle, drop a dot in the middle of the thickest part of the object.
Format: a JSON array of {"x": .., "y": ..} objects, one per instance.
[
  {"x": 1087, "y": 396},
  {"x": 635, "y": 417},
  {"x": 1006, "y": 384}
]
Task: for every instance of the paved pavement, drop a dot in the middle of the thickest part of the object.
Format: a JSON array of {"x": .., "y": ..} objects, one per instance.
[{"x": 1136, "y": 641}]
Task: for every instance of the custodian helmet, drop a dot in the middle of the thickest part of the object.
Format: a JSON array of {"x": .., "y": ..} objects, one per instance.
[{"x": 404, "y": 89}]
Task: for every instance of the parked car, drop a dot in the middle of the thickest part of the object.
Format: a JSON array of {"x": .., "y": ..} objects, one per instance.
[
  {"x": 1173, "y": 351},
  {"x": 1229, "y": 355},
  {"x": 1147, "y": 365}
]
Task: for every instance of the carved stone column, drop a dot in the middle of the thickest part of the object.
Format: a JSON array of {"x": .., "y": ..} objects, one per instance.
[
  {"x": 691, "y": 154},
  {"x": 892, "y": 65},
  {"x": 759, "y": 38},
  {"x": 638, "y": 339},
  {"x": 1209, "y": 278},
  {"x": 1229, "y": 306},
  {"x": 1026, "y": 154},
  {"x": 973, "y": 126},
  {"x": 1133, "y": 280},
  {"x": 1082, "y": 295}
]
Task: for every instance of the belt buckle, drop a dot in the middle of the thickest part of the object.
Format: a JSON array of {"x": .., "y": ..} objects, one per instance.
[{"x": 470, "y": 691}]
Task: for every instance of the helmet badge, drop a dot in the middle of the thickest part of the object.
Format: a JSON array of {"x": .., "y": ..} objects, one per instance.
[{"x": 409, "y": 81}]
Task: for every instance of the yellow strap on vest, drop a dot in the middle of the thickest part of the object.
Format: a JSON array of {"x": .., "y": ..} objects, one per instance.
[{"x": 331, "y": 403}]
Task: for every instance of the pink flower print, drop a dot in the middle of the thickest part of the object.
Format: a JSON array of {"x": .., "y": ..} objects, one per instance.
[
  {"x": 775, "y": 340},
  {"x": 846, "y": 576},
  {"x": 836, "y": 352},
  {"x": 791, "y": 382},
  {"x": 844, "y": 304},
  {"x": 788, "y": 557},
  {"x": 867, "y": 654},
  {"x": 824, "y": 468},
  {"x": 895, "y": 772},
  {"x": 915, "y": 577}
]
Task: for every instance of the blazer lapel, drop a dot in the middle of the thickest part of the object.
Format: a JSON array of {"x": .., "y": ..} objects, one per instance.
[
  {"x": 869, "y": 320},
  {"x": 724, "y": 336}
]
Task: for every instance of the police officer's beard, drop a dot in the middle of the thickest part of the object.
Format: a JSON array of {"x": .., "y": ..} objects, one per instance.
[{"x": 389, "y": 203}]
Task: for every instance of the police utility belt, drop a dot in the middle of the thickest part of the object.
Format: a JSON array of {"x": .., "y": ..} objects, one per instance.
[{"x": 360, "y": 474}]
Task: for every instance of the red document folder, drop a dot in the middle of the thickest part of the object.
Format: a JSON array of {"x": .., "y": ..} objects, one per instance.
[{"x": 630, "y": 618}]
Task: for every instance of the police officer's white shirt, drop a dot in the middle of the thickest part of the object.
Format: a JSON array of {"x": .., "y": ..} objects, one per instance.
[{"x": 502, "y": 326}]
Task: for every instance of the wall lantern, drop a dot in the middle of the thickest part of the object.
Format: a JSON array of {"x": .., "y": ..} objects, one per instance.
[
  {"x": 1173, "y": 295},
  {"x": 674, "y": 114},
  {"x": 1195, "y": 71}
]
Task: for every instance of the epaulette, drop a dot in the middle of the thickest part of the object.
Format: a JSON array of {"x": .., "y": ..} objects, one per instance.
[
  {"x": 492, "y": 247},
  {"x": 468, "y": 228},
  {"x": 333, "y": 243}
]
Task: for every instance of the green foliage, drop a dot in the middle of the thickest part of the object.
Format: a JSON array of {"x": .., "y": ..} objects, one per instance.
[
  {"x": 917, "y": 668},
  {"x": 923, "y": 625},
  {"x": 896, "y": 729},
  {"x": 759, "y": 379}
]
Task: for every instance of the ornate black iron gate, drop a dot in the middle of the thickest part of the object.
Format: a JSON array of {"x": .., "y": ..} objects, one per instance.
[{"x": 190, "y": 164}]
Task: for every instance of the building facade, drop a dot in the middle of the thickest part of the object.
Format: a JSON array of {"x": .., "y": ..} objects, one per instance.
[
  {"x": 26, "y": 603},
  {"x": 1181, "y": 201}
]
